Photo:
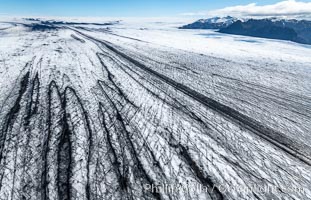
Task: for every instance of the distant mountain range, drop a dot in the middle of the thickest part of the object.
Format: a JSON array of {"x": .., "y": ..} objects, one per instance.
[
  {"x": 293, "y": 30},
  {"x": 211, "y": 23}
]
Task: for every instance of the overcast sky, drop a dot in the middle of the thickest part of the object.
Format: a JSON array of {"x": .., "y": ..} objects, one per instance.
[{"x": 154, "y": 8}]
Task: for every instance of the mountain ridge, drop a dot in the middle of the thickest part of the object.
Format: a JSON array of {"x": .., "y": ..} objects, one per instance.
[
  {"x": 294, "y": 30},
  {"x": 211, "y": 23}
]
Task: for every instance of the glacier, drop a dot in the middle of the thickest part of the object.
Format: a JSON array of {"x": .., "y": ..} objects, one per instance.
[{"x": 132, "y": 109}]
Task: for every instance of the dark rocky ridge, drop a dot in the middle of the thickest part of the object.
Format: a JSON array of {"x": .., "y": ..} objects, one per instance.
[
  {"x": 292, "y": 30},
  {"x": 211, "y": 23}
]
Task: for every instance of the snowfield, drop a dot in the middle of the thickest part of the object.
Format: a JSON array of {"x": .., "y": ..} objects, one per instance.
[{"x": 143, "y": 110}]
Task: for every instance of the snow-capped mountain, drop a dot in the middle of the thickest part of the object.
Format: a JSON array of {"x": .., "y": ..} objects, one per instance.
[
  {"x": 211, "y": 23},
  {"x": 215, "y": 20},
  {"x": 292, "y": 30},
  {"x": 274, "y": 28}
]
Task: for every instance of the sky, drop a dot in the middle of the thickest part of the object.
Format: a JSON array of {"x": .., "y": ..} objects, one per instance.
[{"x": 135, "y": 8}]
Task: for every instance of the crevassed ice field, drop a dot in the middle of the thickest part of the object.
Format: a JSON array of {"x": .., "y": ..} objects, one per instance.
[{"x": 120, "y": 110}]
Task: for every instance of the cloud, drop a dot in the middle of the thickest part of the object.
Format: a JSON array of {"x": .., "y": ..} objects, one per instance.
[{"x": 289, "y": 8}]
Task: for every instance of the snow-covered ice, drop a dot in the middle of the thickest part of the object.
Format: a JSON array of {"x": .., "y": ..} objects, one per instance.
[{"x": 120, "y": 111}]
